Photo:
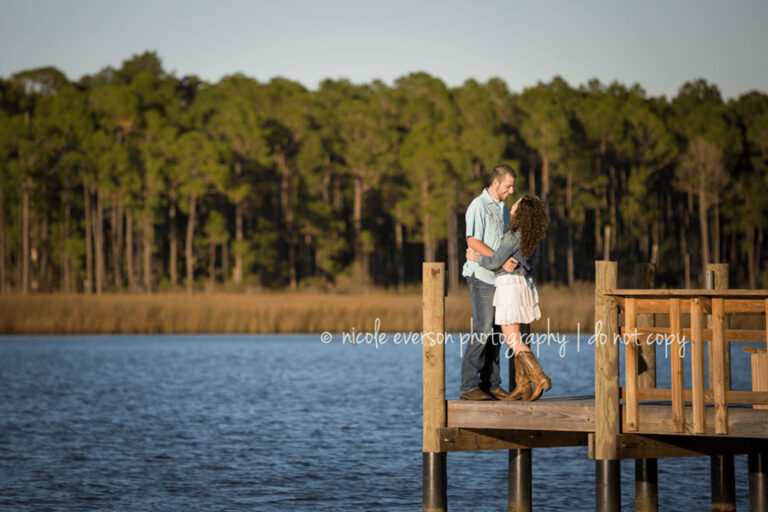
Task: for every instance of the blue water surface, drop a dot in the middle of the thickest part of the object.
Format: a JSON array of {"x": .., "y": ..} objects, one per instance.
[{"x": 272, "y": 423}]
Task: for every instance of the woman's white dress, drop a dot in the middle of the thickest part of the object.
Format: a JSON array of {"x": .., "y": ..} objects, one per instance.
[{"x": 516, "y": 300}]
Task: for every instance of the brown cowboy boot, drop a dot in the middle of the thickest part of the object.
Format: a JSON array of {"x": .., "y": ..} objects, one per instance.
[
  {"x": 475, "y": 394},
  {"x": 522, "y": 383},
  {"x": 500, "y": 394},
  {"x": 540, "y": 380}
]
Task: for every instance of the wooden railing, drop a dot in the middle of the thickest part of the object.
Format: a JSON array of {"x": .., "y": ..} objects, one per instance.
[{"x": 719, "y": 304}]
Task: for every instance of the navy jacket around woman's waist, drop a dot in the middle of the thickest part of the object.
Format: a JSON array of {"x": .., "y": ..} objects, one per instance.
[{"x": 509, "y": 246}]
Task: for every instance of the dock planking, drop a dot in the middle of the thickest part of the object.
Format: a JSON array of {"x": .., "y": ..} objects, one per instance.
[
  {"x": 577, "y": 414},
  {"x": 573, "y": 414}
]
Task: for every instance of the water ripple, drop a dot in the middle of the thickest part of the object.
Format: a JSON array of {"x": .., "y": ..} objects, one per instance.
[{"x": 268, "y": 423}]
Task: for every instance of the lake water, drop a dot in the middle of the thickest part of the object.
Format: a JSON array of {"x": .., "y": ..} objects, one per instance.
[{"x": 272, "y": 423}]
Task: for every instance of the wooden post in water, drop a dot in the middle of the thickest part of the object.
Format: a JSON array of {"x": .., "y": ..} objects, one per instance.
[
  {"x": 434, "y": 479},
  {"x": 723, "y": 483},
  {"x": 646, "y": 470},
  {"x": 519, "y": 498},
  {"x": 758, "y": 481},
  {"x": 723, "y": 478},
  {"x": 607, "y": 411},
  {"x": 520, "y": 481}
]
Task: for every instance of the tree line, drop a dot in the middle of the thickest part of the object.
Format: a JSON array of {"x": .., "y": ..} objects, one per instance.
[{"x": 136, "y": 179}]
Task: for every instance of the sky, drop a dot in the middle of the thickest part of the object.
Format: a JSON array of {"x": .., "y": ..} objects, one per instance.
[{"x": 659, "y": 44}]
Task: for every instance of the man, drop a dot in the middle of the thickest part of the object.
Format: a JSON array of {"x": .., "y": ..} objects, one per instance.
[{"x": 487, "y": 220}]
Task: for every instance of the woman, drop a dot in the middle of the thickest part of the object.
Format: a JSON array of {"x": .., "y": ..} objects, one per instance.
[{"x": 516, "y": 298}]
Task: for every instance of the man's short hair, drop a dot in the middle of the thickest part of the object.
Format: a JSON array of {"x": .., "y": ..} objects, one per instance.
[{"x": 500, "y": 171}]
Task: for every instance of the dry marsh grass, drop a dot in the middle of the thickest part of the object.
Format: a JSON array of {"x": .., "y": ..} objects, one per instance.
[{"x": 264, "y": 313}]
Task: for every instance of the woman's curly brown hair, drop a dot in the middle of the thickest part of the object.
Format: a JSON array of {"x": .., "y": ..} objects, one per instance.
[{"x": 532, "y": 219}]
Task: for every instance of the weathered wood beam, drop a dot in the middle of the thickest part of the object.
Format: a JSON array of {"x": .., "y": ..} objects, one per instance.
[
  {"x": 697, "y": 367},
  {"x": 636, "y": 446},
  {"x": 630, "y": 365},
  {"x": 743, "y": 422},
  {"x": 676, "y": 361},
  {"x": 434, "y": 464},
  {"x": 686, "y": 293},
  {"x": 719, "y": 365},
  {"x": 454, "y": 439},
  {"x": 732, "y": 397},
  {"x": 651, "y": 334},
  {"x": 577, "y": 416},
  {"x": 661, "y": 304},
  {"x": 607, "y": 414}
]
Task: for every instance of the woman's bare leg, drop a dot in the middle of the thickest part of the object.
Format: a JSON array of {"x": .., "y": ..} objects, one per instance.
[{"x": 513, "y": 338}]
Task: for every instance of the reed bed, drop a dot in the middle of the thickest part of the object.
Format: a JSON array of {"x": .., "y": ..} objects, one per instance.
[{"x": 265, "y": 312}]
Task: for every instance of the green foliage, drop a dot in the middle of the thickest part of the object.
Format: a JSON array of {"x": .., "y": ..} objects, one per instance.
[
  {"x": 198, "y": 164},
  {"x": 264, "y": 242},
  {"x": 215, "y": 228},
  {"x": 365, "y": 176}
]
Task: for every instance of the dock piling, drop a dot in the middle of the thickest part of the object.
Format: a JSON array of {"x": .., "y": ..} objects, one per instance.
[
  {"x": 434, "y": 472},
  {"x": 723, "y": 478},
  {"x": 646, "y": 470},
  {"x": 607, "y": 485},
  {"x": 520, "y": 476},
  {"x": 434, "y": 482},
  {"x": 723, "y": 483},
  {"x": 607, "y": 412},
  {"x": 519, "y": 499},
  {"x": 758, "y": 481},
  {"x": 646, "y": 485}
]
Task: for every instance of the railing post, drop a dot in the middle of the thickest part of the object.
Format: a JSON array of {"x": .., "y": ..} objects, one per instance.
[
  {"x": 520, "y": 480},
  {"x": 644, "y": 280},
  {"x": 434, "y": 479},
  {"x": 759, "y": 364},
  {"x": 630, "y": 365},
  {"x": 677, "y": 368},
  {"x": 716, "y": 278},
  {"x": 646, "y": 470},
  {"x": 719, "y": 347},
  {"x": 697, "y": 368},
  {"x": 607, "y": 411},
  {"x": 723, "y": 479}
]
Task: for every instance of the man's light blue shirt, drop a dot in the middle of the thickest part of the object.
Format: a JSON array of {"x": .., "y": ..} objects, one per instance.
[{"x": 487, "y": 220}]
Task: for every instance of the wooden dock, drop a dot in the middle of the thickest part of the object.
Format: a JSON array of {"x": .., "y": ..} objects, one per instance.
[{"x": 640, "y": 421}]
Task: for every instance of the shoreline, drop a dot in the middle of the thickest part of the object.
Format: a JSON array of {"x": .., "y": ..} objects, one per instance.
[{"x": 263, "y": 313}]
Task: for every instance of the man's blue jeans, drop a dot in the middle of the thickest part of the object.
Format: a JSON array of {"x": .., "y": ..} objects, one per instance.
[{"x": 480, "y": 363}]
